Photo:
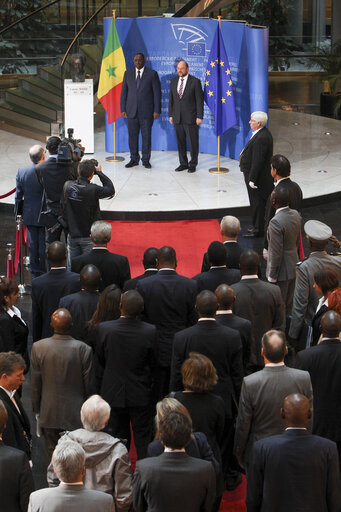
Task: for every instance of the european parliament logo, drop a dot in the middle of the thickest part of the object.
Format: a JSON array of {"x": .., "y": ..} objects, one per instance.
[{"x": 196, "y": 49}]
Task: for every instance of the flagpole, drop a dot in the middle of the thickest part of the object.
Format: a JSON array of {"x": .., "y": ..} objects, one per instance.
[
  {"x": 219, "y": 170},
  {"x": 114, "y": 158}
]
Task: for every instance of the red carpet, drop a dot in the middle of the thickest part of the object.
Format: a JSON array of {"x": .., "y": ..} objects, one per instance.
[{"x": 190, "y": 239}]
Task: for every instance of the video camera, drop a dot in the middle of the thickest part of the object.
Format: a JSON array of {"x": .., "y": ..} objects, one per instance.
[{"x": 70, "y": 150}]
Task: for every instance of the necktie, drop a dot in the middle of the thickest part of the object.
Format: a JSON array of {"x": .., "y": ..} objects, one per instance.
[
  {"x": 138, "y": 79},
  {"x": 181, "y": 87}
]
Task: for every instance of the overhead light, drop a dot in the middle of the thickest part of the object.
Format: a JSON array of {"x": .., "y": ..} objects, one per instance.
[
  {"x": 296, "y": 124},
  {"x": 328, "y": 133},
  {"x": 323, "y": 171}
]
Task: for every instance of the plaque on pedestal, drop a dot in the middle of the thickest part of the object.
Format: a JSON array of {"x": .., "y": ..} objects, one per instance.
[{"x": 79, "y": 111}]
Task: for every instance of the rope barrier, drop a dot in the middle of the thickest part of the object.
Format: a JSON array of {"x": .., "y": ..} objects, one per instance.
[{"x": 8, "y": 193}]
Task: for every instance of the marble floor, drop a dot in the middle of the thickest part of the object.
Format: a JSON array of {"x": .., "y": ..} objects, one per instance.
[{"x": 311, "y": 143}]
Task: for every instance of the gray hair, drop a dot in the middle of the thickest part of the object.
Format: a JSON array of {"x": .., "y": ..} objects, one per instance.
[
  {"x": 95, "y": 413},
  {"x": 260, "y": 117},
  {"x": 230, "y": 226},
  {"x": 101, "y": 232},
  {"x": 68, "y": 461},
  {"x": 36, "y": 153}
]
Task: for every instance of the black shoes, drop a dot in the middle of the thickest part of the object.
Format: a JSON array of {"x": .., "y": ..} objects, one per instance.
[
  {"x": 132, "y": 163},
  {"x": 147, "y": 165},
  {"x": 191, "y": 168},
  {"x": 181, "y": 168}
]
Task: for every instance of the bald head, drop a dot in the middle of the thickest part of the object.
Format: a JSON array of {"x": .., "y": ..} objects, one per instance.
[
  {"x": 61, "y": 321},
  {"x": 274, "y": 346},
  {"x": 37, "y": 153},
  {"x": 90, "y": 278},
  {"x": 131, "y": 304},
  {"x": 249, "y": 262},
  {"x": 150, "y": 258},
  {"x": 225, "y": 296},
  {"x": 279, "y": 197},
  {"x": 166, "y": 257},
  {"x": 330, "y": 325},
  {"x": 296, "y": 411},
  {"x": 206, "y": 304},
  {"x": 56, "y": 254}
]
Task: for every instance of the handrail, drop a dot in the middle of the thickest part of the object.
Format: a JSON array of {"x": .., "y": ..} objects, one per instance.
[
  {"x": 81, "y": 30},
  {"x": 28, "y": 16}
]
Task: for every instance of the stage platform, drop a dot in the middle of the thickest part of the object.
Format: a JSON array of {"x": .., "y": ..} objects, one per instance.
[{"x": 311, "y": 143}]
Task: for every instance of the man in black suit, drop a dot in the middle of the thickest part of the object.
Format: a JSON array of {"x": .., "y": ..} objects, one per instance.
[
  {"x": 168, "y": 304},
  {"x": 16, "y": 481},
  {"x": 174, "y": 480},
  {"x": 219, "y": 272},
  {"x": 186, "y": 112},
  {"x": 126, "y": 350},
  {"x": 255, "y": 164},
  {"x": 52, "y": 176},
  {"x": 229, "y": 229},
  {"x": 17, "y": 432},
  {"x": 294, "y": 470},
  {"x": 140, "y": 104},
  {"x": 259, "y": 302},
  {"x": 83, "y": 304},
  {"x": 225, "y": 316},
  {"x": 150, "y": 268},
  {"x": 114, "y": 268},
  {"x": 323, "y": 362},
  {"x": 48, "y": 289}
]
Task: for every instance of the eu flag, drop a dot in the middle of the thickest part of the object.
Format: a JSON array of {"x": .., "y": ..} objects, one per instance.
[{"x": 218, "y": 91}]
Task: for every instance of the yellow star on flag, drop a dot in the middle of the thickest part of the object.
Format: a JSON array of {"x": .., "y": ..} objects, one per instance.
[
  {"x": 221, "y": 62},
  {"x": 228, "y": 93},
  {"x": 230, "y": 82},
  {"x": 212, "y": 64},
  {"x": 223, "y": 100},
  {"x": 210, "y": 93},
  {"x": 206, "y": 83},
  {"x": 208, "y": 72},
  {"x": 228, "y": 72}
]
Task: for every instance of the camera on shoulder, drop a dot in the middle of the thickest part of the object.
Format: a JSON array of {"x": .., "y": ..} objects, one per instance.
[{"x": 70, "y": 150}]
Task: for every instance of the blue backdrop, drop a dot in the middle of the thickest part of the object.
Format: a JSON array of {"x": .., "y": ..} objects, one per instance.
[{"x": 164, "y": 41}]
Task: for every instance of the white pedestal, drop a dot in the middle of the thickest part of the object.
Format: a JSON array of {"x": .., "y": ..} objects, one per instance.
[{"x": 79, "y": 111}]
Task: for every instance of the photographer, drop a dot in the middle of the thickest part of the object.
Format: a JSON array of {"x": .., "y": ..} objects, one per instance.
[{"x": 81, "y": 205}]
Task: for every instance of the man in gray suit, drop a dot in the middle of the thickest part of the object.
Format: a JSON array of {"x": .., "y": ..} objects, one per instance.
[
  {"x": 262, "y": 396},
  {"x": 61, "y": 380},
  {"x": 259, "y": 302},
  {"x": 305, "y": 297},
  {"x": 284, "y": 237},
  {"x": 70, "y": 496}
]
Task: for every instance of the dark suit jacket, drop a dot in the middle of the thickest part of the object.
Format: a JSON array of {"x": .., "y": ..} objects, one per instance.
[
  {"x": 255, "y": 161},
  {"x": 114, "y": 268},
  {"x": 165, "y": 483},
  {"x": 191, "y": 106},
  {"x": 315, "y": 323},
  {"x": 262, "y": 304},
  {"x": 82, "y": 306},
  {"x": 323, "y": 362},
  {"x": 47, "y": 290},
  {"x": 168, "y": 304},
  {"x": 145, "y": 100},
  {"x": 295, "y": 202},
  {"x": 244, "y": 328},
  {"x": 15, "y": 333},
  {"x": 17, "y": 431},
  {"x": 294, "y": 471},
  {"x": 233, "y": 252},
  {"x": 28, "y": 195},
  {"x": 61, "y": 380},
  {"x": 222, "y": 345},
  {"x": 126, "y": 349},
  {"x": 215, "y": 276},
  {"x": 16, "y": 481},
  {"x": 132, "y": 283}
]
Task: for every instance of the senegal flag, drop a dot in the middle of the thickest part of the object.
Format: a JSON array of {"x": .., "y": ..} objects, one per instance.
[{"x": 111, "y": 76}]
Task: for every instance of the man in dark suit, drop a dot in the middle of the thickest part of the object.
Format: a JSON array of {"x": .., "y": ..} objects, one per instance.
[
  {"x": 229, "y": 229},
  {"x": 83, "y": 304},
  {"x": 61, "y": 380},
  {"x": 186, "y": 112},
  {"x": 225, "y": 316},
  {"x": 174, "y": 480},
  {"x": 16, "y": 481},
  {"x": 323, "y": 362},
  {"x": 126, "y": 350},
  {"x": 52, "y": 176},
  {"x": 17, "y": 432},
  {"x": 255, "y": 164},
  {"x": 48, "y": 289},
  {"x": 28, "y": 198},
  {"x": 114, "y": 268},
  {"x": 168, "y": 304},
  {"x": 219, "y": 272},
  {"x": 294, "y": 470},
  {"x": 262, "y": 395},
  {"x": 259, "y": 302},
  {"x": 140, "y": 104},
  {"x": 280, "y": 172},
  {"x": 150, "y": 268}
]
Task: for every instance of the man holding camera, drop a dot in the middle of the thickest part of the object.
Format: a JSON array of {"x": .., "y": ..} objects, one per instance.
[{"x": 81, "y": 205}]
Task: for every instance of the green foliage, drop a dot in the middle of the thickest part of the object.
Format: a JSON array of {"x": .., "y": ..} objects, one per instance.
[{"x": 329, "y": 61}]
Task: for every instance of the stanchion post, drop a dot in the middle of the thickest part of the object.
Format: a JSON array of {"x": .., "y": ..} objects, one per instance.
[
  {"x": 22, "y": 286},
  {"x": 10, "y": 261}
]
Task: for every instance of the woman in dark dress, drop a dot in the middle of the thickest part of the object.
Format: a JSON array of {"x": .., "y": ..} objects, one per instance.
[{"x": 325, "y": 281}]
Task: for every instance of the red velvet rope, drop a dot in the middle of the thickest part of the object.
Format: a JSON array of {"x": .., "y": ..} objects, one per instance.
[
  {"x": 8, "y": 193},
  {"x": 17, "y": 250}
]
